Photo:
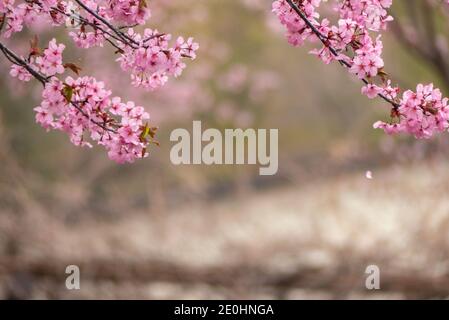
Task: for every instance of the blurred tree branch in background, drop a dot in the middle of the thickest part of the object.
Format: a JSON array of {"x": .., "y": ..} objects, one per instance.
[{"x": 422, "y": 27}]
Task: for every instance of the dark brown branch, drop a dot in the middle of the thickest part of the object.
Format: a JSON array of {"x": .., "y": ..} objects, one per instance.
[{"x": 20, "y": 62}]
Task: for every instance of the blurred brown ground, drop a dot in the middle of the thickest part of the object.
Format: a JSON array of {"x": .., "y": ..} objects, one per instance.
[{"x": 313, "y": 241}]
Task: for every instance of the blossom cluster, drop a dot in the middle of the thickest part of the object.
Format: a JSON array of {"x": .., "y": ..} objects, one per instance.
[
  {"x": 154, "y": 61},
  {"x": 421, "y": 113},
  {"x": 50, "y": 62},
  {"x": 83, "y": 107},
  {"x": 355, "y": 41}
]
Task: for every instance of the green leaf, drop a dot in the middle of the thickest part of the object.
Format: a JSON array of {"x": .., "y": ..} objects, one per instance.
[{"x": 67, "y": 92}]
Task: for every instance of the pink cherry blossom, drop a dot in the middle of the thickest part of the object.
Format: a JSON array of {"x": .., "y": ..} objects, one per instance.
[
  {"x": 20, "y": 73},
  {"x": 50, "y": 63}
]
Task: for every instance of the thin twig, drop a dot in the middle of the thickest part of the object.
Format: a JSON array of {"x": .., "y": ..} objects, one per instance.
[
  {"x": 83, "y": 20},
  {"x": 122, "y": 35},
  {"x": 2, "y": 23}
]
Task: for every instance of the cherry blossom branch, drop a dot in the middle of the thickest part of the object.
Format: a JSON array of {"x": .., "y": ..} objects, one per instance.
[
  {"x": 83, "y": 106},
  {"x": 15, "y": 59},
  {"x": 325, "y": 42},
  {"x": 422, "y": 112}
]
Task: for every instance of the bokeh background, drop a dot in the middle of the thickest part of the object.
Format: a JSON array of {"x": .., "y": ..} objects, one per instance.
[{"x": 156, "y": 231}]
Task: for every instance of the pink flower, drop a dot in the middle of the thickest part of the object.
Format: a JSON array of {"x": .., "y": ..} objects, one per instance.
[
  {"x": 371, "y": 90},
  {"x": 20, "y": 73}
]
